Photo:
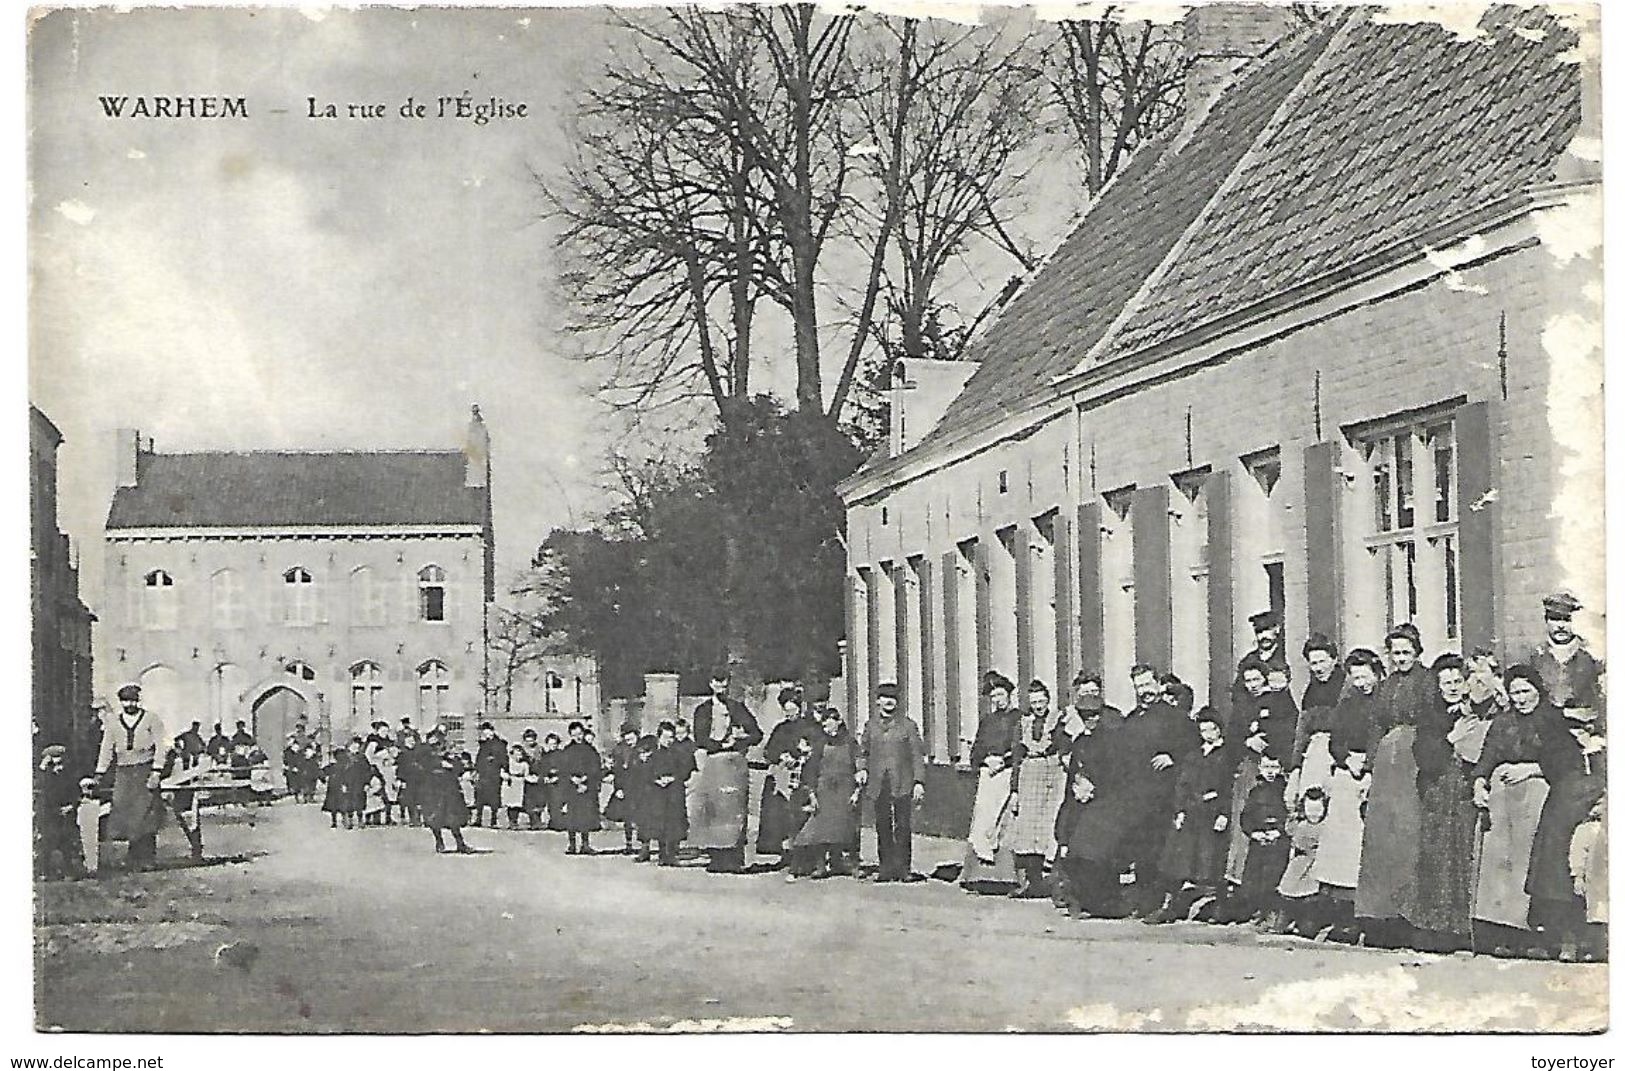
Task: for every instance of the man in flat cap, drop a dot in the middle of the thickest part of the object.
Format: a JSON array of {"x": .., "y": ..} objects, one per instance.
[
  {"x": 891, "y": 773},
  {"x": 1573, "y": 675},
  {"x": 134, "y": 744}
]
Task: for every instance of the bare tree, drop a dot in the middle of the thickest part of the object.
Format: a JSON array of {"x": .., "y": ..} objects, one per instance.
[
  {"x": 948, "y": 125},
  {"x": 1118, "y": 81},
  {"x": 711, "y": 168},
  {"x": 666, "y": 215}
]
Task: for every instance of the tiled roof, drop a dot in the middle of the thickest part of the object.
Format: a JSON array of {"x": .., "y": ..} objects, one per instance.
[
  {"x": 1401, "y": 130},
  {"x": 1394, "y": 130},
  {"x": 274, "y": 490}
]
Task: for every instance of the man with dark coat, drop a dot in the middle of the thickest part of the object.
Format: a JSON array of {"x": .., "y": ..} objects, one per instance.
[
  {"x": 219, "y": 747},
  {"x": 1573, "y": 675},
  {"x": 890, "y": 770},
  {"x": 490, "y": 763},
  {"x": 724, "y": 730},
  {"x": 1130, "y": 771},
  {"x": 191, "y": 746},
  {"x": 663, "y": 813},
  {"x": 242, "y": 737},
  {"x": 441, "y": 792}
]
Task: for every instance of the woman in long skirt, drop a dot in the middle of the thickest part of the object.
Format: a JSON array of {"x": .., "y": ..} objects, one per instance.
[
  {"x": 831, "y": 775},
  {"x": 1448, "y": 825},
  {"x": 1510, "y": 788},
  {"x": 1387, "y": 892},
  {"x": 1039, "y": 782},
  {"x": 988, "y": 858}
]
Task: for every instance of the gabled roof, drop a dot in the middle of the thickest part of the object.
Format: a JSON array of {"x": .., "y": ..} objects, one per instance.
[
  {"x": 287, "y": 490},
  {"x": 1343, "y": 139}
]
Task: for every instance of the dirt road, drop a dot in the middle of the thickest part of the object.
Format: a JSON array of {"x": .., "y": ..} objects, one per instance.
[{"x": 325, "y": 931}]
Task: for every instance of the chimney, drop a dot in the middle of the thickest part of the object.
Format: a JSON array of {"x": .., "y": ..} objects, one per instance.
[
  {"x": 921, "y": 391},
  {"x": 1219, "y": 40},
  {"x": 128, "y": 450},
  {"x": 477, "y": 452}
]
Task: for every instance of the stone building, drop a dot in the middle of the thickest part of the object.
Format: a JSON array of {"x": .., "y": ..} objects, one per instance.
[
  {"x": 61, "y": 621},
  {"x": 268, "y": 587},
  {"x": 1326, "y": 348}
]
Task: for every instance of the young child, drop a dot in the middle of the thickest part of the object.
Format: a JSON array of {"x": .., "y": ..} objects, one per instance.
[
  {"x": 669, "y": 768},
  {"x": 335, "y": 802},
  {"x": 1337, "y": 858},
  {"x": 359, "y": 775},
  {"x": 1263, "y": 821},
  {"x": 387, "y": 762},
  {"x": 638, "y": 794},
  {"x": 1193, "y": 855},
  {"x": 513, "y": 784},
  {"x": 1299, "y": 890},
  {"x": 58, "y": 849},
  {"x": 619, "y": 808}
]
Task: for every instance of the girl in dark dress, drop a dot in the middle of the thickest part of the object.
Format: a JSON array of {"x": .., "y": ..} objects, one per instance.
[
  {"x": 1193, "y": 855},
  {"x": 621, "y": 760},
  {"x": 335, "y": 802},
  {"x": 638, "y": 795},
  {"x": 443, "y": 804},
  {"x": 580, "y": 771}
]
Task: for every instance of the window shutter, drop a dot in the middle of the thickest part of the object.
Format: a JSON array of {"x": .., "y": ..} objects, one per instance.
[
  {"x": 852, "y": 652},
  {"x": 926, "y": 653},
  {"x": 1091, "y": 602},
  {"x": 1322, "y": 519},
  {"x": 1221, "y": 635},
  {"x": 1020, "y": 548},
  {"x": 1477, "y": 474},
  {"x": 900, "y": 651},
  {"x": 871, "y": 590},
  {"x": 1065, "y": 623},
  {"x": 1153, "y": 595},
  {"x": 984, "y": 608},
  {"x": 950, "y": 652}
]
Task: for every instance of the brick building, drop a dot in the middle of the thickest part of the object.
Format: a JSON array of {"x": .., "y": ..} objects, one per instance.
[
  {"x": 61, "y": 621},
  {"x": 1326, "y": 348},
  {"x": 269, "y": 587}
]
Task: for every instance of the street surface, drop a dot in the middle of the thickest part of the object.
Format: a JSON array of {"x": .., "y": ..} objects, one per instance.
[{"x": 325, "y": 931}]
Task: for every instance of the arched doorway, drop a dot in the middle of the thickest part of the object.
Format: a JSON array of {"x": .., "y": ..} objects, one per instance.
[{"x": 274, "y": 713}]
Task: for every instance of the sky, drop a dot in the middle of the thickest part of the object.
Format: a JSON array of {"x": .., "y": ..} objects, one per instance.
[{"x": 287, "y": 283}]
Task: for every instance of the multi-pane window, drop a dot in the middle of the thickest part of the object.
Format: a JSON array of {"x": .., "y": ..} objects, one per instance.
[
  {"x": 159, "y": 608},
  {"x": 299, "y": 588},
  {"x": 431, "y": 593},
  {"x": 367, "y": 597},
  {"x": 1412, "y": 542},
  {"x": 434, "y": 690},
  {"x": 366, "y": 693},
  {"x": 226, "y": 599},
  {"x": 302, "y": 670}
]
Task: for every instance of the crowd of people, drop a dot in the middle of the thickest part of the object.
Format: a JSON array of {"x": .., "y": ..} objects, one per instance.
[{"x": 1444, "y": 805}]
